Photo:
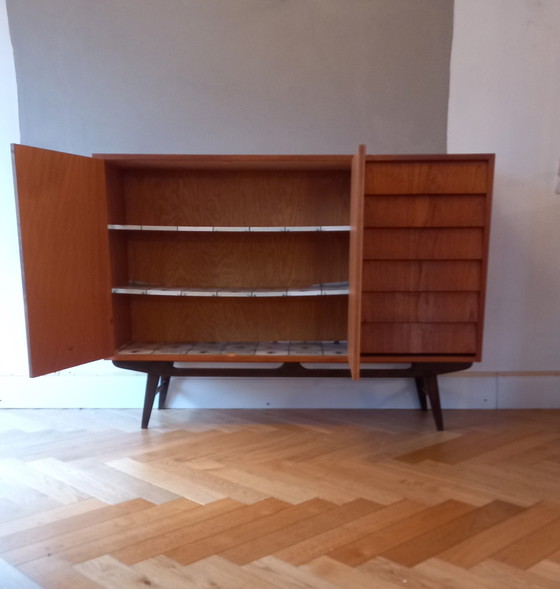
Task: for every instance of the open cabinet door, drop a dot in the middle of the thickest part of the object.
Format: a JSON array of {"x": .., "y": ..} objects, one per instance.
[
  {"x": 65, "y": 258},
  {"x": 356, "y": 260}
]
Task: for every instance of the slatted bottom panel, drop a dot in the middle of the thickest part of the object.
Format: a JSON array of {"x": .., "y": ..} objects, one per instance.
[{"x": 229, "y": 350}]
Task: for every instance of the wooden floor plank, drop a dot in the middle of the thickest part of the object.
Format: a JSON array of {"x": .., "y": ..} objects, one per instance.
[
  {"x": 26, "y": 539},
  {"x": 485, "y": 544},
  {"x": 307, "y": 550},
  {"x": 229, "y": 540},
  {"x": 38, "y": 520},
  {"x": 60, "y": 491},
  {"x": 285, "y": 575},
  {"x": 111, "y": 574},
  {"x": 211, "y": 480},
  {"x": 298, "y": 531},
  {"x": 453, "y": 532},
  {"x": 511, "y": 577},
  {"x": 174, "y": 482},
  {"x": 532, "y": 548},
  {"x": 437, "y": 573},
  {"x": 383, "y": 540},
  {"x": 261, "y": 498},
  {"x": 216, "y": 572},
  {"x": 109, "y": 536},
  {"x": 546, "y": 569},
  {"x": 342, "y": 575},
  {"x": 196, "y": 531},
  {"x": 51, "y": 572}
]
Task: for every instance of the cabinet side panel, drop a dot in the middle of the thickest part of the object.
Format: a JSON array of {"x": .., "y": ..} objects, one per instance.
[
  {"x": 63, "y": 236},
  {"x": 355, "y": 260},
  {"x": 486, "y": 247},
  {"x": 118, "y": 253}
]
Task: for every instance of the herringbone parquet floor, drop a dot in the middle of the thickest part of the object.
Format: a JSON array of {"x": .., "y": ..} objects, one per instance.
[{"x": 279, "y": 499}]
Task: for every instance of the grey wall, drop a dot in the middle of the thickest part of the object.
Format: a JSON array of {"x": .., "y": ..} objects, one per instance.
[{"x": 225, "y": 76}]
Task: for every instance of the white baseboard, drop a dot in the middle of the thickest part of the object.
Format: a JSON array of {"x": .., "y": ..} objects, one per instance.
[{"x": 122, "y": 389}]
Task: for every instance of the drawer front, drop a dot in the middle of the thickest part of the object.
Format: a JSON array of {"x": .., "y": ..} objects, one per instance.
[
  {"x": 418, "y": 338},
  {"x": 425, "y": 275},
  {"x": 416, "y": 307},
  {"x": 425, "y": 211},
  {"x": 423, "y": 244},
  {"x": 425, "y": 177}
]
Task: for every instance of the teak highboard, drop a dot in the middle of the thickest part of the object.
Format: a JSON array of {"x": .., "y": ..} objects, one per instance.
[{"x": 149, "y": 260}]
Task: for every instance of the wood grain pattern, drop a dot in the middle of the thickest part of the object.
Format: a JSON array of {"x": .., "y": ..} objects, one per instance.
[
  {"x": 426, "y": 230},
  {"x": 236, "y": 197},
  {"x": 355, "y": 264},
  {"x": 65, "y": 252},
  {"x": 215, "y": 319},
  {"x": 237, "y": 260},
  {"x": 427, "y": 220},
  {"x": 423, "y": 244},
  {"x": 457, "y": 210},
  {"x": 422, "y": 275},
  {"x": 404, "y": 505},
  {"x": 419, "y": 307},
  {"x": 418, "y": 338},
  {"x": 427, "y": 176}
]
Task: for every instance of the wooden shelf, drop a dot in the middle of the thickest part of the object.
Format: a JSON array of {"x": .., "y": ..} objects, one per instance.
[
  {"x": 315, "y": 290},
  {"x": 231, "y": 229}
]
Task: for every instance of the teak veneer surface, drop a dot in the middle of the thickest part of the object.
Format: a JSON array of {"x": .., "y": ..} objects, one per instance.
[
  {"x": 68, "y": 307},
  {"x": 237, "y": 260},
  {"x": 215, "y": 319},
  {"x": 415, "y": 256},
  {"x": 420, "y": 176},
  {"x": 236, "y": 198}
]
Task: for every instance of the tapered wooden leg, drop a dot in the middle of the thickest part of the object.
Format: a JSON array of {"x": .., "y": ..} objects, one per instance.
[
  {"x": 432, "y": 391},
  {"x": 162, "y": 389},
  {"x": 149, "y": 396},
  {"x": 421, "y": 390}
]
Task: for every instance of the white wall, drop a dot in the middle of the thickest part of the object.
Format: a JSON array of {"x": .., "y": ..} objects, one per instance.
[
  {"x": 505, "y": 98},
  {"x": 243, "y": 76},
  {"x": 12, "y": 338},
  {"x": 257, "y": 76}
]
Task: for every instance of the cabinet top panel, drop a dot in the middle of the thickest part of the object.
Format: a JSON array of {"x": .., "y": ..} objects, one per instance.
[
  {"x": 224, "y": 162},
  {"x": 427, "y": 157}
]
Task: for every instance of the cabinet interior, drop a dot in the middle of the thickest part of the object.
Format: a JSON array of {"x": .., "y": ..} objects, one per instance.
[{"x": 239, "y": 251}]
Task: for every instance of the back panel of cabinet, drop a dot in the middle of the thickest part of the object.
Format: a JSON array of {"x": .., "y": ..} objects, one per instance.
[{"x": 239, "y": 252}]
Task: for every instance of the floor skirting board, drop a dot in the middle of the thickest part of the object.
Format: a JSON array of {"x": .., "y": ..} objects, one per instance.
[{"x": 471, "y": 390}]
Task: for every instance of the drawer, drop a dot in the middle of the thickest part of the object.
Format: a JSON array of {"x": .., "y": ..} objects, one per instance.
[
  {"x": 425, "y": 275},
  {"x": 426, "y": 177},
  {"x": 420, "y": 307},
  {"x": 418, "y": 338},
  {"x": 425, "y": 211},
  {"x": 423, "y": 244}
]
